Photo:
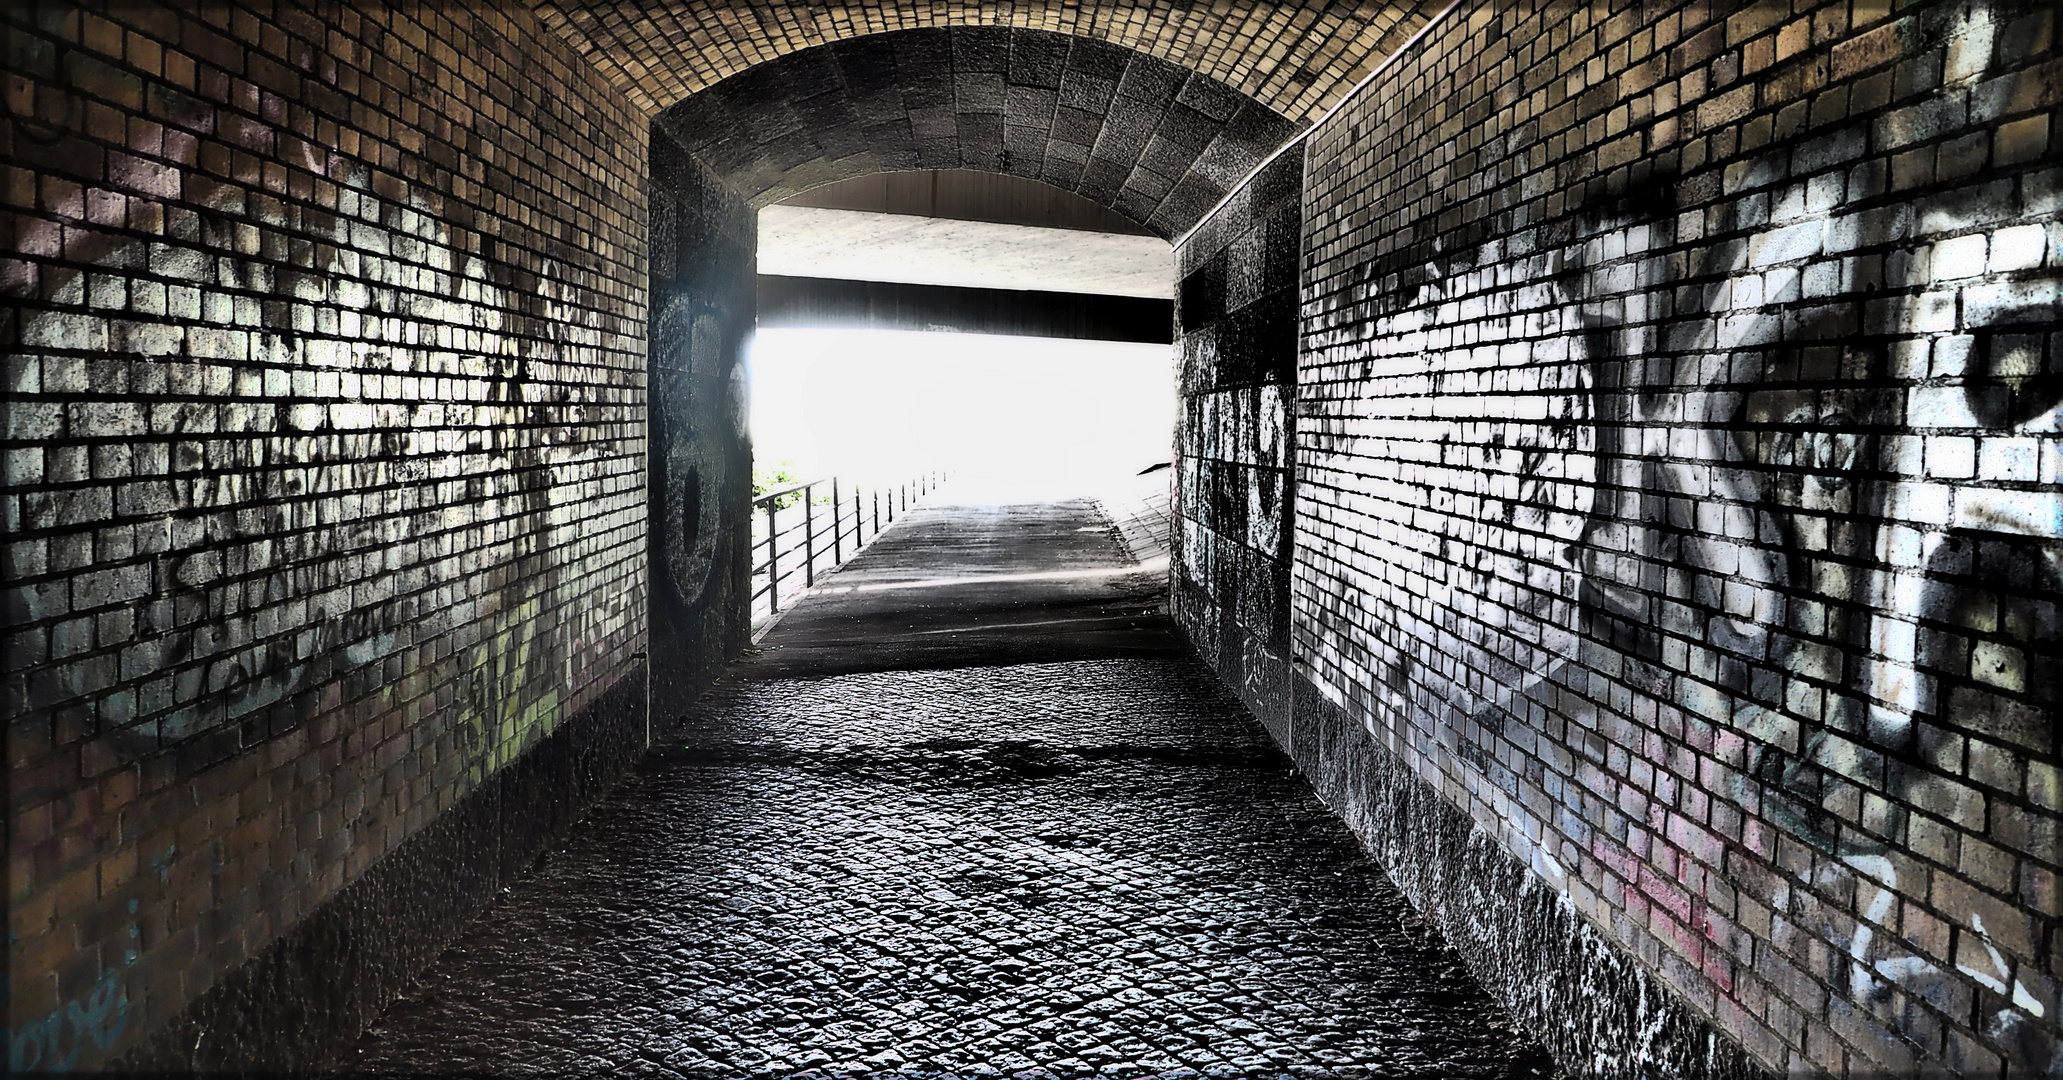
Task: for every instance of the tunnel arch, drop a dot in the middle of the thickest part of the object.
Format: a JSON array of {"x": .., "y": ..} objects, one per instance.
[
  {"x": 1152, "y": 140},
  {"x": 1299, "y": 57}
]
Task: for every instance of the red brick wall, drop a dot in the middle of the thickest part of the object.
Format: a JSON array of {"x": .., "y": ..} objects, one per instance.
[{"x": 324, "y": 457}]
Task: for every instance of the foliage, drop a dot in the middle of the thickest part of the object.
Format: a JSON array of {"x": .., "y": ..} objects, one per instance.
[{"x": 766, "y": 478}]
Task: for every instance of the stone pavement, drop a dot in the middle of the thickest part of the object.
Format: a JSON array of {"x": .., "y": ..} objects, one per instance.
[{"x": 1093, "y": 866}]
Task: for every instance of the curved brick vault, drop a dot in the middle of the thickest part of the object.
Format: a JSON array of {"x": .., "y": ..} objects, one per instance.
[
  {"x": 1296, "y": 57},
  {"x": 1150, "y": 139}
]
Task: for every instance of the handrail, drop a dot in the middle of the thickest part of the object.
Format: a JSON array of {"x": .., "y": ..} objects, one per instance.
[
  {"x": 782, "y": 544},
  {"x": 789, "y": 490}
]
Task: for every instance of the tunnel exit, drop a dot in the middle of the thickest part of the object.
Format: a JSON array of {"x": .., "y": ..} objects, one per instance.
[
  {"x": 1000, "y": 328},
  {"x": 1012, "y": 418}
]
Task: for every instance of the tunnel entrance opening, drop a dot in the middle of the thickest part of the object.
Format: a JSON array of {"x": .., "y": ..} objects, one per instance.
[
  {"x": 1001, "y": 328},
  {"x": 997, "y": 331},
  {"x": 1009, "y": 418},
  {"x": 1083, "y": 157}
]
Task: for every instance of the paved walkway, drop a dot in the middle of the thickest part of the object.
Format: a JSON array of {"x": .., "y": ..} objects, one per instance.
[
  {"x": 967, "y": 586},
  {"x": 887, "y": 851}
]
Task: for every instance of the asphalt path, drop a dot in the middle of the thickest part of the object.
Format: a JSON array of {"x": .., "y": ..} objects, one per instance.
[{"x": 976, "y": 585}]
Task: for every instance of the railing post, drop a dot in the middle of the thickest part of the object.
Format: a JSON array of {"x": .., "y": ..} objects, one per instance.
[
  {"x": 837, "y": 531},
  {"x": 809, "y": 538},
  {"x": 773, "y": 560},
  {"x": 877, "y": 511}
]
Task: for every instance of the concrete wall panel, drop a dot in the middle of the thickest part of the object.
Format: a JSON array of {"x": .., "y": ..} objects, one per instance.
[
  {"x": 703, "y": 300},
  {"x": 1236, "y": 325}
]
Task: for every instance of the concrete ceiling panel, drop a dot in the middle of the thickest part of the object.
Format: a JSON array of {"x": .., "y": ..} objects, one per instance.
[
  {"x": 805, "y": 241},
  {"x": 1038, "y": 60}
]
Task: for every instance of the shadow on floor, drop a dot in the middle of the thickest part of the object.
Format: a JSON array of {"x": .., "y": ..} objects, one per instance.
[{"x": 891, "y": 845}]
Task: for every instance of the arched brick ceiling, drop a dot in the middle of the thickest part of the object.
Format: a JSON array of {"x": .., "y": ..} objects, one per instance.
[
  {"x": 1298, "y": 58},
  {"x": 1152, "y": 140}
]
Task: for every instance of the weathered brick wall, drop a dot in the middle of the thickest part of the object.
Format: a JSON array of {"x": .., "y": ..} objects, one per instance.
[
  {"x": 1236, "y": 324},
  {"x": 1149, "y": 139},
  {"x": 324, "y": 493},
  {"x": 1678, "y": 488}
]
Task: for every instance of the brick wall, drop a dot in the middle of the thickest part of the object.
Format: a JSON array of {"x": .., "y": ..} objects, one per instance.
[
  {"x": 1298, "y": 58},
  {"x": 324, "y": 498},
  {"x": 1678, "y": 495},
  {"x": 1675, "y": 544},
  {"x": 1149, "y": 139},
  {"x": 1236, "y": 319}
]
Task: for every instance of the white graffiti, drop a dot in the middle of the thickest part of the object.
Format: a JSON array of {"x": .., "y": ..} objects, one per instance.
[{"x": 1799, "y": 452}]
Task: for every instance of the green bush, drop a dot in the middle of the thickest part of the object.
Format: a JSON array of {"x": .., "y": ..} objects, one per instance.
[{"x": 767, "y": 478}]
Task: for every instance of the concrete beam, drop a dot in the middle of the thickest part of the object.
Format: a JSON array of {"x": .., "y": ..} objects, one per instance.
[
  {"x": 800, "y": 241},
  {"x": 802, "y": 302}
]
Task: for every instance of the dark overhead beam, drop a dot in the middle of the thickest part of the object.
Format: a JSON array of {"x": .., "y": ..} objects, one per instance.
[
  {"x": 968, "y": 195},
  {"x": 799, "y": 302}
]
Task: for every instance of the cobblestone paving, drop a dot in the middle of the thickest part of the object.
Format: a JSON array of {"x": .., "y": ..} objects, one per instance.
[{"x": 1092, "y": 867}]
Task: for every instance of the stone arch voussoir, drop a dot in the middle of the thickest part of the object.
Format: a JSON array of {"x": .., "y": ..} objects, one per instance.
[{"x": 1149, "y": 139}]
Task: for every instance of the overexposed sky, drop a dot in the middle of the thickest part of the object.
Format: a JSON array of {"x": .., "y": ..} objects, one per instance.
[{"x": 1029, "y": 417}]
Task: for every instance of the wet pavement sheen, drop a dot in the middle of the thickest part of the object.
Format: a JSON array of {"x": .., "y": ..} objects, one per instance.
[{"x": 1095, "y": 866}]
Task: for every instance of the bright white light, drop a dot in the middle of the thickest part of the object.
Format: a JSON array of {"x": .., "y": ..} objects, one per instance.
[
  {"x": 809, "y": 241},
  {"x": 1144, "y": 566},
  {"x": 1012, "y": 417}
]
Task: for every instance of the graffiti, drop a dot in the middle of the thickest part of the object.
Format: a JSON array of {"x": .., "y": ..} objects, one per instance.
[
  {"x": 53, "y": 1043},
  {"x": 1805, "y": 452},
  {"x": 508, "y": 698},
  {"x": 353, "y": 320},
  {"x": 1785, "y": 460},
  {"x": 694, "y": 409},
  {"x": 337, "y": 445}
]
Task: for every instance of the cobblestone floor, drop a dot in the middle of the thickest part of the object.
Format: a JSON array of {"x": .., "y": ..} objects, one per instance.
[{"x": 1089, "y": 867}]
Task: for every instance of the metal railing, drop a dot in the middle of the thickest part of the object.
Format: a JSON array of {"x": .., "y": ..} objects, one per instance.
[{"x": 806, "y": 529}]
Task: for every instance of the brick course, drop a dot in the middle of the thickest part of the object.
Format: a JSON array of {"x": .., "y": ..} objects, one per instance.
[
  {"x": 324, "y": 465},
  {"x": 1673, "y": 494},
  {"x": 1148, "y": 139},
  {"x": 1296, "y": 58}
]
